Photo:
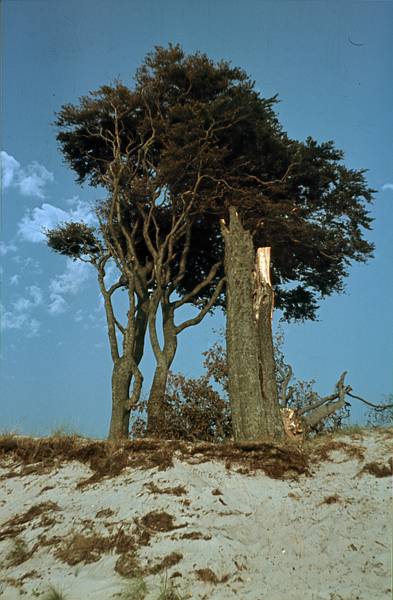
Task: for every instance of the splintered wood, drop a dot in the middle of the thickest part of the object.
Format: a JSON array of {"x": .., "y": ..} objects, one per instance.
[
  {"x": 263, "y": 264},
  {"x": 262, "y": 278}
]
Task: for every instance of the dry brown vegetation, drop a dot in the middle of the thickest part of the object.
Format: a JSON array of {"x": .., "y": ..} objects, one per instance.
[
  {"x": 128, "y": 565},
  {"x": 17, "y": 524},
  {"x": 334, "y": 499},
  {"x": 179, "y": 490},
  {"x": 378, "y": 469},
  {"x": 208, "y": 576},
  {"x": 195, "y": 535},
  {"x": 109, "y": 459},
  {"x": 168, "y": 561},
  {"x": 158, "y": 521},
  {"x": 321, "y": 449}
]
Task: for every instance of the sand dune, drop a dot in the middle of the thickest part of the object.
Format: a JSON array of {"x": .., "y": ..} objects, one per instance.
[{"x": 103, "y": 524}]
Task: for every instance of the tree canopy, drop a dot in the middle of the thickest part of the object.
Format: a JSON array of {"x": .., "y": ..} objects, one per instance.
[{"x": 195, "y": 135}]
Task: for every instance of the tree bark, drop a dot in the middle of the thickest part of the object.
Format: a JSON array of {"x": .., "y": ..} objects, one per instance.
[
  {"x": 264, "y": 299},
  {"x": 120, "y": 417},
  {"x": 125, "y": 367},
  {"x": 252, "y": 387},
  {"x": 164, "y": 358}
]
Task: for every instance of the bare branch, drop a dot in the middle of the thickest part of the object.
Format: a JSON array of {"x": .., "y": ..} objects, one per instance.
[
  {"x": 376, "y": 406},
  {"x": 200, "y": 286},
  {"x": 204, "y": 310}
]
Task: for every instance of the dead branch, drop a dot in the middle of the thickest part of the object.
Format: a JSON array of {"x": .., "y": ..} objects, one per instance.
[{"x": 376, "y": 406}]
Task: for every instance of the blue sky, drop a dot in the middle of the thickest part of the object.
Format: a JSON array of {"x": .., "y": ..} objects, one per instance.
[{"x": 330, "y": 63}]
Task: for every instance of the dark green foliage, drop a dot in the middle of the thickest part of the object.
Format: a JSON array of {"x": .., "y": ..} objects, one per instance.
[
  {"x": 193, "y": 128},
  {"x": 74, "y": 240}
]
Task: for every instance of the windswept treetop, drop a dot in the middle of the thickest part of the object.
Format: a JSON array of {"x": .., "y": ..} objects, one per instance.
[{"x": 193, "y": 137}]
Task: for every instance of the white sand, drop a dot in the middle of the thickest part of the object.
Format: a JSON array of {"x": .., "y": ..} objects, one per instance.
[{"x": 275, "y": 540}]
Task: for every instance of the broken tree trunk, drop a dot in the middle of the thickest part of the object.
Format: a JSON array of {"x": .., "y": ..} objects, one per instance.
[
  {"x": 323, "y": 408},
  {"x": 263, "y": 308},
  {"x": 251, "y": 376}
]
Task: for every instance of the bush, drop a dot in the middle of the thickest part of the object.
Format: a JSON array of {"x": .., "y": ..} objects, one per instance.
[{"x": 199, "y": 409}]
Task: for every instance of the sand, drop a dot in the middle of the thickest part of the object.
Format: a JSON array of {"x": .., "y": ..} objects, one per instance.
[{"x": 206, "y": 531}]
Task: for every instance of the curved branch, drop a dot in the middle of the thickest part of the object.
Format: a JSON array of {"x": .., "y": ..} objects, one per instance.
[
  {"x": 204, "y": 311},
  {"x": 200, "y": 286},
  {"x": 376, "y": 406}
]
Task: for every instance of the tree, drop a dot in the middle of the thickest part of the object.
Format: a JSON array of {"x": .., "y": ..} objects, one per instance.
[
  {"x": 151, "y": 233},
  {"x": 269, "y": 191},
  {"x": 194, "y": 145}
]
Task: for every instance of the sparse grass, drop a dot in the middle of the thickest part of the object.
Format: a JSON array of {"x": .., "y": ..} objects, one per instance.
[
  {"x": 65, "y": 430},
  {"x": 19, "y": 553},
  {"x": 136, "y": 589},
  {"x": 350, "y": 429},
  {"x": 168, "y": 590},
  {"x": 54, "y": 594}
]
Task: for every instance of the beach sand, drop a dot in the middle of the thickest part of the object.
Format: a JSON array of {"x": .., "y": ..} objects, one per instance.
[{"x": 206, "y": 528}]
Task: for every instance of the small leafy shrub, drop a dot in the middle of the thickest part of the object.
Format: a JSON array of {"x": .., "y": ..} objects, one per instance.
[
  {"x": 194, "y": 409},
  {"x": 199, "y": 410},
  {"x": 381, "y": 418}
]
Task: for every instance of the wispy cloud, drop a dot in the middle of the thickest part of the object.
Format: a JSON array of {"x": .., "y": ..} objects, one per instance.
[
  {"x": 71, "y": 282},
  {"x": 73, "y": 278},
  {"x": 387, "y": 186},
  {"x": 9, "y": 320},
  {"x": 6, "y": 248},
  {"x": 33, "y": 224},
  {"x": 28, "y": 264},
  {"x": 14, "y": 279},
  {"x": 33, "y": 299},
  {"x": 57, "y": 304},
  {"x": 20, "y": 316},
  {"x": 30, "y": 181}
]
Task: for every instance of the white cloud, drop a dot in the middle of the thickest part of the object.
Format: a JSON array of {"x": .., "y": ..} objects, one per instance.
[
  {"x": 79, "y": 316},
  {"x": 6, "y": 248},
  {"x": 36, "y": 294},
  {"x": 28, "y": 264},
  {"x": 22, "y": 304},
  {"x": 19, "y": 321},
  {"x": 387, "y": 186},
  {"x": 9, "y": 169},
  {"x": 14, "y": 280},
  {"x": 69, "y": 282},
  {"x": 73, "y": 278},
  {"x": 57, "y": 305},
  {"x": 34, "y": 222},
  {"x": 20, "y": 317},
  {"x": 30, "y": 181},
  {"x": 26, "y": 304}
]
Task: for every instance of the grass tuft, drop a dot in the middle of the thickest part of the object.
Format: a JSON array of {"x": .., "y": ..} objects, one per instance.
[
  {"x": 19, "y": 553},
  {"x": 54, "y": 594},
  {"x": 135, "y": 590}
]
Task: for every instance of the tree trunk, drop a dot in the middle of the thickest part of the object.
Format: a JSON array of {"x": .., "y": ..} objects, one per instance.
[
  {"x": 120, "y": 417},
  {"x": 263, "y": 307},
  {"x": 252, "y": 389},
  {"x": 164, "y": 358},
  {"x": 122, "y": 374}
]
